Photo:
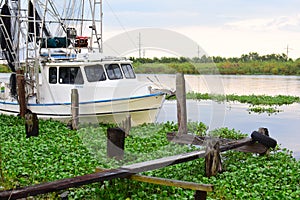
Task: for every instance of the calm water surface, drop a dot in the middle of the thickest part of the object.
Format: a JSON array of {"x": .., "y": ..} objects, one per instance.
[
  {"x": 233, "y": 84},
  {"x": 283, "y": 126}
]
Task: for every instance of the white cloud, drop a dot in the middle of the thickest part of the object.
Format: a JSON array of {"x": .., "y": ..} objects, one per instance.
[
  {"x": 267, "y": 24},
  {"x": 233, "y": 36},
  {"x": 224, "y": 42},
  {"x": 138, "y": 19}
]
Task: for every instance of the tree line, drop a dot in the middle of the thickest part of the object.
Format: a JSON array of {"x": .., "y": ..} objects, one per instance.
[
  {"x": 252, "y": 56},
  {"x": 252, "y": 63}
]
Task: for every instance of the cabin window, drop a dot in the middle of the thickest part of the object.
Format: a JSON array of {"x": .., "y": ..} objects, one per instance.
[
  {"x": 113, "y": 71},
  {"x": 95, "y": 73},
  {"x": 70, "y": 75},
  {"x": 128, "y": 71},
  {"x": 52, "y": 75}
]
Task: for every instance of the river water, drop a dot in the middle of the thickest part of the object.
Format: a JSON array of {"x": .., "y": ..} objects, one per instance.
[{"x": 283, "y": 126}]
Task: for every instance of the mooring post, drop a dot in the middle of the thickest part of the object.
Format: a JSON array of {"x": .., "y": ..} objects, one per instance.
[
  {"x": 21, "y": 92},
  {"x": 126, "y": 124},
  {"x": 181, "y": 103},
  {"x": 200, "y": 195},
  {"x": 31, "y": 124},
  {"x": 115, "y": 143},
  {"x": 213, "y": 163},
  {"x": 74, "y": 108}
]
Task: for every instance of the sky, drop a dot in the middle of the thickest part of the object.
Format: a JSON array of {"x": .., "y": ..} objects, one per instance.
[{"x": 226, "y": 28}]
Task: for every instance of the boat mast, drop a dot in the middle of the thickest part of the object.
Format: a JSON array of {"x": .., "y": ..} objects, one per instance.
[
  {"x": 96, "y": 8},
  {"x": 82, "y": 17},
  {"x": 101, "y": 27},
  {"x": 32, "y": 60},
  {"x": 16, "y": 5},
  {"x": 10, "y": 30}
]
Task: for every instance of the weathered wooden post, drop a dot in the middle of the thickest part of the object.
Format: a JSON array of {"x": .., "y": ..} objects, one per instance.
[
  {"x": 213, "y": 163},
  {"x": 31, "y": 124},
  {"x": 21, "y": 92},
  {"x": 75, "y": 108},
  {"x": 115, "y": 143},
  {"x": 181, "y": 103},
  {"x": 200, "y": 195},
  {"x": 126, "y": 125}
]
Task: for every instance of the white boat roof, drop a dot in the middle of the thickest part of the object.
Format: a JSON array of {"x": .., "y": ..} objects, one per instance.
[{"x": 87, "y": 59}]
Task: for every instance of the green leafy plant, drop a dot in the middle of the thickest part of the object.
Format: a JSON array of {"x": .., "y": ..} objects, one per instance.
[
  {"x": 197, "y": 128},
  {"x": 258, "y": 103},
  {"x": 250, "y": 99},
  {"x": 225, "y": 132},
  {"x": 259, "y": 109},
  {"x": 59, "y": 153}
]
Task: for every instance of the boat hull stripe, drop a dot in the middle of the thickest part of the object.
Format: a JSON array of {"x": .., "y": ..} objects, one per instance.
[
  {"x": 87, "y": 102},
  {"x": 88, "y": 114}
]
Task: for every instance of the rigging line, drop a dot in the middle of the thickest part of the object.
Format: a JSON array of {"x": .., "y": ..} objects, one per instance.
[
  {"x": 112, "y": 49},
  {"x": 78, "y": 13},
  {"x": 72, "y": 13},
  {"x": 131, "y": 40},
  {"x": 68, "y": 10},
  {"x": 63, "y": 13},
  {"x": 82, "y": 17}
]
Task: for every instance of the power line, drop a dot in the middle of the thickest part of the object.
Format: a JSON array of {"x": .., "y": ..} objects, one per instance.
[{"x": 131, "y": 40}]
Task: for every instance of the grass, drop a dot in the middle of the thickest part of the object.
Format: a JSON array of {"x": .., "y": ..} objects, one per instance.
[{"x": 61, "y": 153}]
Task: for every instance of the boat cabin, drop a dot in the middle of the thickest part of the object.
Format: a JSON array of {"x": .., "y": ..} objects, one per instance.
[{"x": 79, "y": 73}]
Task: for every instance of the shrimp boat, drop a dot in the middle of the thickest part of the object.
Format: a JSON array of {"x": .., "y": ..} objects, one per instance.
[{"x": 56, "y": 46}]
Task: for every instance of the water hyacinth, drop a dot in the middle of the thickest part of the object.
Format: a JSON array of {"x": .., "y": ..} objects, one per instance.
[{"x": 59, "y": 153}]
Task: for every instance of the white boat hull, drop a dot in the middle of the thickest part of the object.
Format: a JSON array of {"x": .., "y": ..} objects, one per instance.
[
  {"x": 142, "y": 109},
  {"x": 63, "y": 60}
]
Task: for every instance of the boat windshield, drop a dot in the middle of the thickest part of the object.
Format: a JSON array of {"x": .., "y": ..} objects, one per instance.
[
  {"x": 53, "y": 75},
  {"x": 128, "y": 71},
  {"x": 113, "y": 71},
  {"x": 70, "y": 75},
  {"x": 95, "y": 73}
]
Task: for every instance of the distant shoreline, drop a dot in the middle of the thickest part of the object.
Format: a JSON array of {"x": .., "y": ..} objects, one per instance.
[
  {"x": 150, "y": 66},
  {"x": 223, "y": 68}
]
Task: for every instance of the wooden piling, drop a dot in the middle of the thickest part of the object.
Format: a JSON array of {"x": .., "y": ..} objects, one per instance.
[
  {"x": 21, "y": 92},
  {"x": 181, "y": 103},
  {"x": 31, "y": 124},
  {"x": 200, "y": 195},
  {"x": 75, "y": 108},
  {"x": 126, "y": 125},
  {"x": 213, "y": 163},
  {"x": 115, "y": 143}
]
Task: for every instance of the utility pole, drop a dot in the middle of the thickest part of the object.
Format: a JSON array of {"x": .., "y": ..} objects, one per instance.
[
  {"x": 287, "y": 51},
  {"x": 140, "y": 45}
]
